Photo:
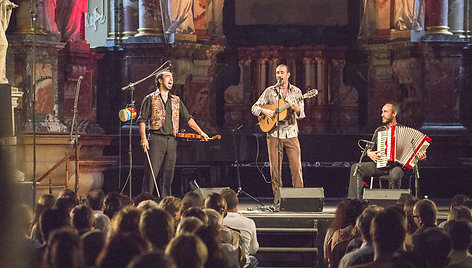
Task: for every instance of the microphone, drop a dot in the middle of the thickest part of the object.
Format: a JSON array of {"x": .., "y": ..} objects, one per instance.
[
  {"x": 279, "y": 82},
  {"x": 368, "y": 142},
  {"x": 80, "y": 78}
]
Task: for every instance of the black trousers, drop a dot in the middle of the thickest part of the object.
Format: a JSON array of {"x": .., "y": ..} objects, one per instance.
[
  {"x": 163, "y": 154},
  {"x": 369, "y": 169}
]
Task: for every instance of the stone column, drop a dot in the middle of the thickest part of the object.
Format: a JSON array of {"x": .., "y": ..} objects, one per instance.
[
  {"x": 261, "y": 74},
  {"x": 150, "y": 23},
  {"x": 130, "y": 18},
  {"x": 456, "y": 17},
  {"x": 309, "y": 72},
  {"x": 272, "y": 65},
  {"x": 115, "y": 20},
  {"x": 436, "y": 17},
  {"x": 321, "y": 80}
]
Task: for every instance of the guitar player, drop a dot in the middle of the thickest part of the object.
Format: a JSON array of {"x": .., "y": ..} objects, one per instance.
[{"x": 287, "y": 134}]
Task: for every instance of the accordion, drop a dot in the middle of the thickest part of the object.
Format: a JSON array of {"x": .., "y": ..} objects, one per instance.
[{"x": 400, "y": 144}]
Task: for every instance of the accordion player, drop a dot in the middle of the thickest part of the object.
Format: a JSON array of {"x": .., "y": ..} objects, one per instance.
[{"x": 400, "y": 144}]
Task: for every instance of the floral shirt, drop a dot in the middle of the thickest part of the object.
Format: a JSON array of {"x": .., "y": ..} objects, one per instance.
[{"x": 288, "y": 127}]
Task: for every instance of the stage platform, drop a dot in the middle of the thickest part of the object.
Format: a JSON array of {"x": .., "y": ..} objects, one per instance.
[{"x": 295, "y": 239}]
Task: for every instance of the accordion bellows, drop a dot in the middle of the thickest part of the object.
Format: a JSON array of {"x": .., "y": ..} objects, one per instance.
[{"x": 401, "y": 144}]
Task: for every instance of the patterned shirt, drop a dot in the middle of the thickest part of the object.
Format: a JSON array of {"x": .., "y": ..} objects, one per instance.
[{"x": 288, "y": 127}]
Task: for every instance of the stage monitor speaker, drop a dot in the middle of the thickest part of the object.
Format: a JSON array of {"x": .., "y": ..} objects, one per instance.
[
  {"x": 384, "y": 197},
  {"x": 301, "y": 199},
  {"x": 204, "y": 192}
]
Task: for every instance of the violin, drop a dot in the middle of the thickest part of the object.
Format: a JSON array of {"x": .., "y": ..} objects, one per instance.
[{"x": 193, "y": 136}]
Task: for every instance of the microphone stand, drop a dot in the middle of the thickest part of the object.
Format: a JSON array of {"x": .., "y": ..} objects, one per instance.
[
  {"x": 416, "y": 169},
  {"x": 74, "y": 136},
  {"x": 33, "y": 93},
  {"x": 131, "y": 86},
  {"x": 236, "y": 163},
  {"x": 354, "y": 174}
]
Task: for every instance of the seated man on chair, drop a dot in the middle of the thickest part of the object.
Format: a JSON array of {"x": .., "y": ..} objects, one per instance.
[{"x": 389, "y": 115}]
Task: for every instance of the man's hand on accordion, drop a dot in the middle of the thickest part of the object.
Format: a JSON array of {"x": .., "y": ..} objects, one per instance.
[
  {"x": 374, "y": 155},
  {"x": 421, "y": 155}
]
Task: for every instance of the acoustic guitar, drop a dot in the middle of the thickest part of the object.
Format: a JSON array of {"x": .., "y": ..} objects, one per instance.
[
  {"x": 192, "y": 136},
  {"x": 267, "y": 123}
]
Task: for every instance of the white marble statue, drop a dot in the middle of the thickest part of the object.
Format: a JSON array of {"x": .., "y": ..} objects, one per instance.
[
  {"x": 409, "y": 15},
  {"x": 214, "y": 17},
  {"x": 5, "y": 13},
  {"x": 181, "y": 15}
]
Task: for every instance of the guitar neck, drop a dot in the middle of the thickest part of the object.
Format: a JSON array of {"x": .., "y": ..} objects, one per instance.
[{"x": 288, "y": 104}]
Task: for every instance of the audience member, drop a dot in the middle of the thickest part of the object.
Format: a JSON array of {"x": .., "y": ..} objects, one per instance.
[
  {"x": 216, "y": 255},
  {"x": 52, "y": 219},
  {"x": 112, "y": 204},
  {"x": 95, "y": 200},
  {"x": 365, "y": 253},
  {"x": 425, "y": 214},
  {"x": 460, "y": 233},
  {"x": 245, "y": 226},
  {"x": 216, "y": 202},
  {"x": 190, "y": 200},
  {"x": 157, "y": 227},
  {"x": 152, "y": 260},
  {"x": 91, "y": 243},
  {"x": 197, "y": 213},
  {"x": 172, "y": 205},
  {"x": 460, "y": 213},
  {"x": 432, "y": 245},
  {"x": 147, "y": 204},
  {"x": 143, "y": 197},
  {"x": 121, "y": 249},
  {"x": 62, "y": 250},
  {"x": 82, "y": 219},
  {"x": 457, "y": 200},
  {"x": 45, "y": 201},
  {"x": 410, "y": 220},
  {"x": 187, "y": 251},
  {"x": 388, "y": 229},
  {"x": 126, "y": 221},
  {"x": 68, "y": 193},
  {"x": 188, "y": 225},
  {"x": 65, "y": 203}
]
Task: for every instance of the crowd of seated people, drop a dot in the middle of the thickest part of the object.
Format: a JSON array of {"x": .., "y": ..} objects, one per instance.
[
  {"x": 406, "y": 234},
  {"x": 114, "y": 231}
]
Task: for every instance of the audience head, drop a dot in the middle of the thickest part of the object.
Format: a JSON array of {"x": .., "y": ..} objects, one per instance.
[
  {"x": 67, "y": 193},
  {"x": 212, "y": 240},
  {"x": 82, "y": 218},
  {"x": 188, "y": 225},
  {"x": 91, "y": 243},
  {"x": 459, "y": 213},
  {"x": 190, "y": 200},
  {"x": 157, "y": 227},
  {"x": 152, "y": 260},
  {"x": 126, "y": 201},
  {"x": 62, "y": 249},
  {"x": 346, "y": 213},
  {"x": 364, "y": 222},
  {"x": 120, "y": 250},
  {"x": 433, "y": 245},
  {"x": 468, "y": 203},
  {"x": 197, "y": 213},
  {"x": 95, "y": 199},
  {"x": 52, "y": 219},
  {"x": 111, "y": 204},
  {"x": 231, "y": 199},
  {"x": 126, "y": 220},
  {"x": 404, "y": 197},
  {"x": 457, "y": 200},
  {"x": 147, "y": 204},
  {"x": 45, "y": 201},
  {"x": 187, "y": 251},
  {"x": 460, "y": 233},
  {"x": 65, "y": 203},
  {"x": 388, "y": 230},
  {"x": 22, "y": 216},
  {"x": 425, "y": 213},
  {"x": 408, "y": 210},
  {"x": 171, "y": 204},
  {"x": 103, "y": 224},
  {"x": 216, "y": 202},
  {"x": 215, "y": 219},
  {"x": 142, "y": 197}
]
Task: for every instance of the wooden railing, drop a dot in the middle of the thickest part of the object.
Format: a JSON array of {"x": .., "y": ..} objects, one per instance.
[{"x": 50, "y": 173}]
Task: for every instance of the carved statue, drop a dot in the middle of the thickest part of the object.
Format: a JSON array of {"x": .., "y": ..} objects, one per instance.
[
  {"x": 69, "y": 19},
  {"x": 47, "y": 16},
  {"x": 5, "y": 13},
  {"x": 182, "y": 16},
  {"x": 214, "y": 17},
  {"x": 409, "y": 15}
]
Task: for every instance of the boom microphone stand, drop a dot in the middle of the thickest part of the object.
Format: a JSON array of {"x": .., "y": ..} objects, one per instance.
[
  {"x": 74, "y": 136},
  {"x": 369, "y": 144},
  {"x": 279, "y": 176},
  {"x": 236, "y": 162},
  {"x": 131, "y": 86}
]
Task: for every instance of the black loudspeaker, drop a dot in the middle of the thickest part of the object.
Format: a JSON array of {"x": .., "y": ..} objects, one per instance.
[
  {"x": 204, "y": 192},
  {"x": 383, "y": 197},
  {"x": 301, "y": 199}
]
